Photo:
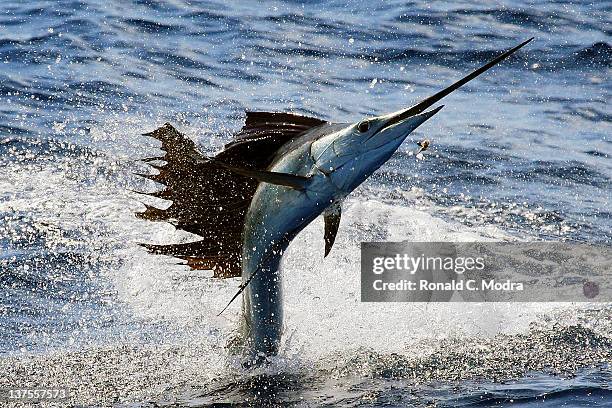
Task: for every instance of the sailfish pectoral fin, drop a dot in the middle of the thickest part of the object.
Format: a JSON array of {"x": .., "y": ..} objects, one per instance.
[
  {"x": 332, "y": 221},
  {"x": 272, "y": 177}
]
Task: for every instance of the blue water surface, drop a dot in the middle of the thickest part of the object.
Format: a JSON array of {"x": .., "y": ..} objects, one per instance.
[{"x": 525, "y": 148}]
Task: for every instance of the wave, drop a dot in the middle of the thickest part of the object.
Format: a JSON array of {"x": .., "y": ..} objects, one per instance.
[
  {"x": 149, "y": 26},
  {"x": 528, "y": 367},
  {"x": 598, "y": 54},
  {"x": 561, "y": 173}
]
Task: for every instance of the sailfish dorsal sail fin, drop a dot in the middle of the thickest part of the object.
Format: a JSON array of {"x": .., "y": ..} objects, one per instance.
[
  {"x": 209, "y": 200},
  {"x": 259, "y": 118},
  {"x": 270, "y": 130}
]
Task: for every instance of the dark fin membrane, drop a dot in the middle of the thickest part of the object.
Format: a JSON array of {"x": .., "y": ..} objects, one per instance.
[
  {"x": 331, "y": 216},
  {"x": 209, "y": 200},
  {"x": 263, "y": 135},
  {"x": 272, "y": 177}
]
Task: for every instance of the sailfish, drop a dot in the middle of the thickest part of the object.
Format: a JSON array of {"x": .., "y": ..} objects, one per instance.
[{"x": 279, "y": 173}]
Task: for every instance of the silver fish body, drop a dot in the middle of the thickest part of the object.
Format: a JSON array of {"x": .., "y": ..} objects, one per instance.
[{"x": 276, "y": 215}]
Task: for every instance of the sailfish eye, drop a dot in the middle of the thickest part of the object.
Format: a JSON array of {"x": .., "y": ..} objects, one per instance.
[{"x": 363, "y": 126}]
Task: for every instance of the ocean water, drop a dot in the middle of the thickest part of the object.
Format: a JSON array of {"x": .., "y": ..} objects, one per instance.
[{"x": 521, "y": 153}]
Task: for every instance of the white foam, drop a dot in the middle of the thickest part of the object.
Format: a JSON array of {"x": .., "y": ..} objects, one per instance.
[{"x": 324, "y": 313}]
